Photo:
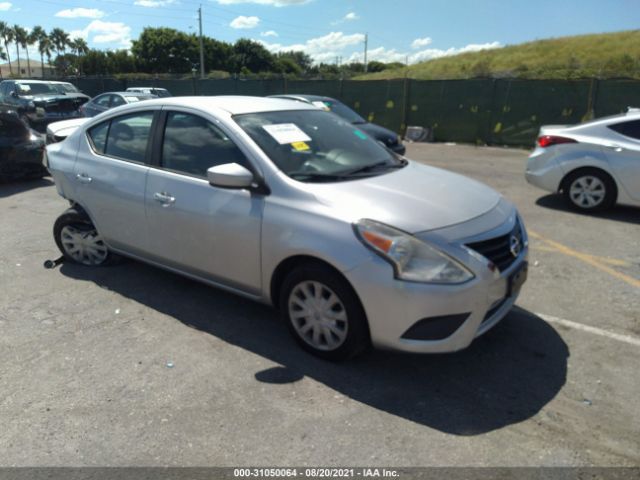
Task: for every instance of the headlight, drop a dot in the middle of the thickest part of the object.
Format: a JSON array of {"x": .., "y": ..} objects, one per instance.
[{"x": 412, "y": 259}]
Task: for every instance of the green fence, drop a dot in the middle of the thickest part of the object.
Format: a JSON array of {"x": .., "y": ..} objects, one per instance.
[{"x": 494, "y": 112}]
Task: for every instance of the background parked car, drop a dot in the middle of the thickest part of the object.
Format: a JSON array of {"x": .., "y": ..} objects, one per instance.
[
  {"x": 106, "y": 101},
  {"x": 390, "y": 139},
  {"x": 39, "y": 103},
  {"x": 594, "y": 164},
  {"x": 158, "y": 92},
  {"x": 20, "y": 148}
]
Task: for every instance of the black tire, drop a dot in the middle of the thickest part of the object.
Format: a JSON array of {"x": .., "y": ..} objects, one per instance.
[
  {"x": 606, "y": 187},
  {"x": 78, "y": 220},
  {"x": 357, "y": 330}
]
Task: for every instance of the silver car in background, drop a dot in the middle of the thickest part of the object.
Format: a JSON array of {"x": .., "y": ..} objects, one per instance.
[
  {"x": 594, "y": 165},
  {"x": 295, "y": 207}
]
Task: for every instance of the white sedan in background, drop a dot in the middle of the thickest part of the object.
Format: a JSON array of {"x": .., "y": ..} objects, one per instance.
[{"x": 595, "y": 164}]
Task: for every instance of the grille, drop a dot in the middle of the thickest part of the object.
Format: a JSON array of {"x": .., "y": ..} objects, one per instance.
[
  {"x": 498, "y": 249},
  {"x": 61, "y": 106}
]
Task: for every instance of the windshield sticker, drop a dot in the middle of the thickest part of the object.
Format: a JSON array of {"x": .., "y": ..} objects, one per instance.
[
  {"x": 284, "y": 133},
  {"x": 359, "y": 134},
  {"x": 300, "y": 146},
  {"x": 322, "y": 106}
]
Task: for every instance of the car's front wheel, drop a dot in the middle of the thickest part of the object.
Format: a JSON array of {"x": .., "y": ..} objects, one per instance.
[
  {"x": 323, "y": 313},
  {"x": 589, "y": 190},
  {"x": 78, "y": 239}
]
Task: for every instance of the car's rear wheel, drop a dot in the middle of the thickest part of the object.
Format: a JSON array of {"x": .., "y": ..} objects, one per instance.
[
  {"x": 78, "y": 239},
  {"x": 323, "y": 313},
  {"x": 589, "y": 190}
]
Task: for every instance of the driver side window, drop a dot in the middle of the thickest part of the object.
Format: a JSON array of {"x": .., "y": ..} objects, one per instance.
[{"x": 192, "y": 145}]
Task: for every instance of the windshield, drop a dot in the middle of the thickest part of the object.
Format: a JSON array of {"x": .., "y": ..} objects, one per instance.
[
  {"x": 35, "y": 88},
  {"x": 313, "y": 145},
  {"x": 345, "y": 112},
  {"x": 65, "y": 88}
]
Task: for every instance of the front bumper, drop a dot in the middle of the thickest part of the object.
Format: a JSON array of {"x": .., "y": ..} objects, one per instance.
[
  {"x": 41, "y": 118},
  {"x": 395, "y": 308}
]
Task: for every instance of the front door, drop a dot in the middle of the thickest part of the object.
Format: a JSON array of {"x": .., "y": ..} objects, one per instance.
[{"x": 210, "y": 232}]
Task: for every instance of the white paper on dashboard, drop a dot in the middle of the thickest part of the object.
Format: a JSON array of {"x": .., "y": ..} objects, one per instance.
[{"x": 285, "y": 133}]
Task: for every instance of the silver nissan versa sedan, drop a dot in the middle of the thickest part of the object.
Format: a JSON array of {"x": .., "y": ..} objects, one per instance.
[{"x": 293, "y": 206}]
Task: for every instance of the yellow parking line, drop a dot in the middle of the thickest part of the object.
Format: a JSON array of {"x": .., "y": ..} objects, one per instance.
[
  {"x": 614, "y": 262},
  {"x": 588, "y": 259}
]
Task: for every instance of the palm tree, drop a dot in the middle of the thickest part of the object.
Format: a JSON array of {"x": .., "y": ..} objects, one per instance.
[
  {"x": 44, "y": 44},
  {"x": 3, "y": 56},
  {"x": 20, "y": 38},
  {"x": 7, "y": 37},
  {"x": 60, "y": 40},
  {"x": 79, "y": 47}
]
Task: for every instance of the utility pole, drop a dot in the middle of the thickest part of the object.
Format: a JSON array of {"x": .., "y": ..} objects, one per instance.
[
  {"x": 201, "y": 45},
  {"x": 366, "y": 43}
]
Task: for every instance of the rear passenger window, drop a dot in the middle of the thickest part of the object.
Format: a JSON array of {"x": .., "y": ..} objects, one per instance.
[
  {"x": 128, "y": 136},
  {"x": 98, "y": 136},
  {"x": 192, "y": 145},
  {"x": 628, "y": 129}
]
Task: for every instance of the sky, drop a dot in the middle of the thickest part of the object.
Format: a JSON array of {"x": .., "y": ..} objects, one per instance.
[{"x": 333, "y": 30}]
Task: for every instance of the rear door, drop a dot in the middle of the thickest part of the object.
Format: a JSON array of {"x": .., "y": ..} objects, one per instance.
[
  {"x": 210, "y": 232},
  {"x": 623, "y": 152},
  {"x": 111, "y": 173}
]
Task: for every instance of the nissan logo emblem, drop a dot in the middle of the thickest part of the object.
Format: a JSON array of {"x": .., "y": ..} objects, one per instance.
[{"x": 515, "y": 247}]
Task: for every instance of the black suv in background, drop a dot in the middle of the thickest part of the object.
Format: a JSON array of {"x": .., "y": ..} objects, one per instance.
[
  {"x": 39, "y": 103},
  {"x": 20, "y": 149}
]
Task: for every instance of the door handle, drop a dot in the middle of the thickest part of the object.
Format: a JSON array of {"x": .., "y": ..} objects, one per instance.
[
  {"x": 164, "y": 198},
  {"x": 615, "y": 148},
  {"x": 83, "y": 178}
]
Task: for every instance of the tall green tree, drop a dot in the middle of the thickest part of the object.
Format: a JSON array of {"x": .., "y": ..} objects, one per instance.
[
  {"x": 7, "y": 37},
  {"x": 252, "y": 56},
  {"x": 165, "y": 50},
  {"x": 20, "y": 39},
  {"x": 44, "y": 45},
  {"x": 60, "y": 40},
  {"x": 80, "y": 48}
]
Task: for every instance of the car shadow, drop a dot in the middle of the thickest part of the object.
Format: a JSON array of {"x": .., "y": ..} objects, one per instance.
[
  {"x": 19, "y": 186},
  {"x": 618, "y": 213},
  {"x": 504, "y": 377}
]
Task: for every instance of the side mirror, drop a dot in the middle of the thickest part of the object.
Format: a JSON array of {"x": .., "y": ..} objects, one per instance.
[{"x": 230, "y": 175}]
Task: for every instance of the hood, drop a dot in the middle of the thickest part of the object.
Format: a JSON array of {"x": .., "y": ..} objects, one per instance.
[
  {"x": 416, "y": 198},
  {"x": 46, "y": 98},
  {"x": 385, "y": 135}
]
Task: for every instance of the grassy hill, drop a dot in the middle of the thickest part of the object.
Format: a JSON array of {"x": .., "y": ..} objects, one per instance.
[{"x": 605, "y": 55}]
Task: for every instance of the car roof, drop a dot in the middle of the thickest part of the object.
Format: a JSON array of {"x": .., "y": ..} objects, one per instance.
[
  {"x": 126, "y": 94},
  {"x": 145, "y": 88},
  {"x": 304, "y": 97},
  {"x": 232, "y": 104}
]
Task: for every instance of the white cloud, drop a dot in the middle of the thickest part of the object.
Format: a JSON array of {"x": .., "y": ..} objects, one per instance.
[
  {"x": 243, "y": 22},
  {"x": 153, "y": 3},
  {"x": 349, "y": 17},
  {"x": 275, "y": 3},
  {"x": 105, "y": 32},
  {"x": 382, "y": 54},
  {"x": 80, "y": 13},
  {"x": 321, "y": 49},
  {"x": 5, "y": 6},
  {"x": 421, "y": 42},
  {"x": 269, "y": 33}
]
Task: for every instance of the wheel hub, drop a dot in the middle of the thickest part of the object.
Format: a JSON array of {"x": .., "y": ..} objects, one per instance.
[
  {"x": 84, "y": 246},
  {"x": 318, "y": 315}
]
